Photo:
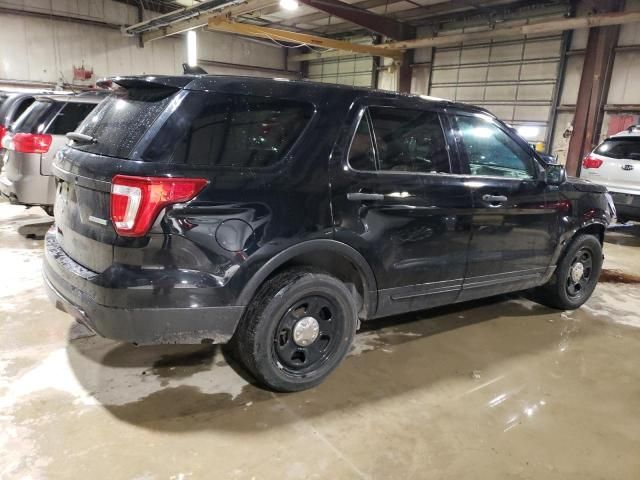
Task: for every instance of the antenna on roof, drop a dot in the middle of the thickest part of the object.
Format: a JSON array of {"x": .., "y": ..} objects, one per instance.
[{"x": 193, "y": 70}]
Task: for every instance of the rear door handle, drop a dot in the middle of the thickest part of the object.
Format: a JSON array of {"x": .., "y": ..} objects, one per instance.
[
  {"x": 365, "y": 197},
  {"x": 494, "y": 198}
]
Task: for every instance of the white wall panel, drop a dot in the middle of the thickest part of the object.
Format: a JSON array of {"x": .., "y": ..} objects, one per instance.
[
  {"x": 572, "y": 75},
  {"x": 46, "y": 50},
  {"x": 624, "y": 88}
]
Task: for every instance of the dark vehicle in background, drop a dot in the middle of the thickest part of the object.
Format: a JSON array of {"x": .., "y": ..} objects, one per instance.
[
  {"x": 32, "y": 142},
  {"x": 278, "y": 215},
  {"x": 615, "y": 163}
]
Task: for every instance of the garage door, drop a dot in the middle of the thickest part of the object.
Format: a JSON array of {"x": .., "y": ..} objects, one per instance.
[
  {"x": 514, "y": 79},
  {"x": 356, "y": 70}
]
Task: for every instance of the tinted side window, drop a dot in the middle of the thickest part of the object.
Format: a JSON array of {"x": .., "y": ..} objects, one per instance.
[
  {"x": 230, "y": 130},
  {"x": 361, "y": 156},
  {"x": 409, "y": 140},
  {"x": 68, "y": 119},
  {"x": 491, "y": 152}
]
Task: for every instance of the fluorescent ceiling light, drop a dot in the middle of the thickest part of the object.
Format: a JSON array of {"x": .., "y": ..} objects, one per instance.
[
  {"x": 289, "y": 4},
  {"x": 192, "y": 48}
]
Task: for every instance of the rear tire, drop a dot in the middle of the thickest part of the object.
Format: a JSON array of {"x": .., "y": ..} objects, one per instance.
[
  {"x": 48, "y": 210},
  {"x": 296, "y": 330},
  {"x": 575, "y": 277}
]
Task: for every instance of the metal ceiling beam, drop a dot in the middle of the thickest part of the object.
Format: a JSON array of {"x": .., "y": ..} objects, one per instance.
[
  {"x": 430, "y": 10},
  {"x": 241, "y": 8},
  {"x": 381, "y": 24},
  {"x": 546, "y": 26},
  {"x": 224, "y": 25},
  {"x": 476, "y": 17}
]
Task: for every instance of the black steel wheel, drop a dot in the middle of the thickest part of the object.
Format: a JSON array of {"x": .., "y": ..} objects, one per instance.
[
  {"x": 579, "y": 274},
  {"x": 307, "y": 334},
  {"x": 576, "y": 275},
  {"x": 297, "y": 329}
]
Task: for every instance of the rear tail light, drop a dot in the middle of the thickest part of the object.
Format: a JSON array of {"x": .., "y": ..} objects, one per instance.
[
  {"x": 31, "y": 142},
  {"x": 136, "y": 201},
  {"x": 591, "y": 162},
  {"x": 3, "y": 130}
]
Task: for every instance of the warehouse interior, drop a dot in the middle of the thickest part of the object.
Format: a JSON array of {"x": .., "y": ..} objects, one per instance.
[{"x": 492, "y": 388}]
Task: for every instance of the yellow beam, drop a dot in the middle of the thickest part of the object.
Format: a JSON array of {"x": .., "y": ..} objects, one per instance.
[{"x": 224, "y": 25}]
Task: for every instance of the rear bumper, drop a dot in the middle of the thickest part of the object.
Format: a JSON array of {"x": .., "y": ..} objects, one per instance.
[
  {"x": 32, "y": 190},
  {"x": 627, "y": 205},
  {"x": 63, "y": 279}
]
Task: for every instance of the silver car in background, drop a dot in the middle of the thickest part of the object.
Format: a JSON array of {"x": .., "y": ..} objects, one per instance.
[
  {"x": 32, "y": 142},
  {"x": 615, "y": 163}
]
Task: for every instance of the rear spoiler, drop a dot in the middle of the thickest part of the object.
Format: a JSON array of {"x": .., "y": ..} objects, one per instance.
[{"x": 155, "y": 81}]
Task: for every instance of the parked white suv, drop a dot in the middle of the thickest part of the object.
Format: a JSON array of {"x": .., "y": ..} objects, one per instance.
[{"x": 615, "y": 163}]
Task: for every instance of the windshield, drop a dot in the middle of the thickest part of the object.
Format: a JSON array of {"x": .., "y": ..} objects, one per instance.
[
  {"x": 628, "y": 147},
  {"x": 121, "y": 120}
]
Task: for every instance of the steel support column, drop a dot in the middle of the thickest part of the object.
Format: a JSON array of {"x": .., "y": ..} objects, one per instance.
[
  {"x": 405, "y": 72},
  {"x": 592, "y": 94}
]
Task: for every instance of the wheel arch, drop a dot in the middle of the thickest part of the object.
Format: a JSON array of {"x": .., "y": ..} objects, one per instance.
[
  {"x": 336, "y": 258},
  {"x": 596, "y": 229}
]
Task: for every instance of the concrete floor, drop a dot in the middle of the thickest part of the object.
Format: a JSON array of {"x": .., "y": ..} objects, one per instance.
[{"x": 501, "y": 388}]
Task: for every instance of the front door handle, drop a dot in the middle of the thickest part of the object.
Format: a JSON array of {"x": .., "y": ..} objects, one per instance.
[
  {"x": 365, "y": 197},
  {"x": 494, "y": 198}
]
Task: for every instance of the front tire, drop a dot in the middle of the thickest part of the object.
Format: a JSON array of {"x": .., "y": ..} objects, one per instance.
[
  {"x": 297, "y": 330},
  {"x": 575, "y": 277}
]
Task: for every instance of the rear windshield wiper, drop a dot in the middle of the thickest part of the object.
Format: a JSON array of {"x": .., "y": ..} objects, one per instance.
[{"x": 81, "y": 137}]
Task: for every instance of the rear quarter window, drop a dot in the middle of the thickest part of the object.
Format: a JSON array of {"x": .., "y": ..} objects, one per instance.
[
  {"x": 223, "y": 130},
  {"x": 620, "y": 148}
]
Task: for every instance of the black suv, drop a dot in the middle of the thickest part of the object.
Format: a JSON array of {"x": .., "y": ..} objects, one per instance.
[{"x": 277, "y": 214}]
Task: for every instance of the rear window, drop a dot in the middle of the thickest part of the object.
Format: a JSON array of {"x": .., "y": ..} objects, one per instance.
[
  {"x": 122, "y": 119},
  {"x": 36, "y": 118},
  {"x": 22, "y": 106},
  {"x": 243, "y": 131},
  {"x": 620, "y": 148},
  {"x": 68, "y": 119}
]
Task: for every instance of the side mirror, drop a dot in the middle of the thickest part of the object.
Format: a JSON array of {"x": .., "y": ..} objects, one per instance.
[{"x": 555, "y": 174}]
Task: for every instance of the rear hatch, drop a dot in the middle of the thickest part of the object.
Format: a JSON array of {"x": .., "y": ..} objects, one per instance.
[
  {"x": 118, "y": 128},
  {"x": 158, "y": 127},
  {"x": 615, "y": 164}
]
